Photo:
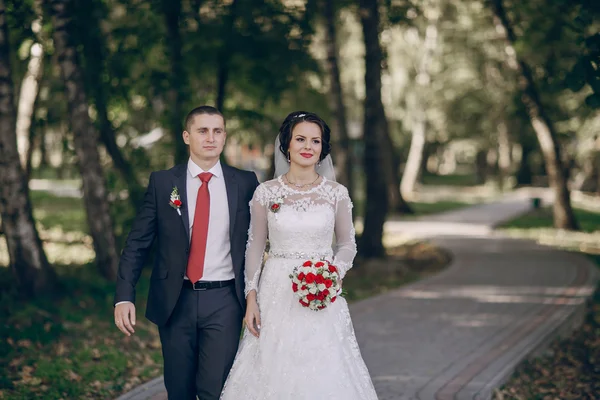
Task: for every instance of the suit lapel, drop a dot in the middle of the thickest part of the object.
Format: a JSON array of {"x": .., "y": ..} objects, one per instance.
[
  {"x": 232, "y": 196},
  {"x": 181, "y": 183}
]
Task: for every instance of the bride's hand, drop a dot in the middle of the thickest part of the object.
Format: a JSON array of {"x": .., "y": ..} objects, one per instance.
[{"x": 252, "y": 318}]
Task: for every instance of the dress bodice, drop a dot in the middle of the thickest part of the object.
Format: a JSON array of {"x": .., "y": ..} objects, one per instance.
[{"x": 300, "y": 224}]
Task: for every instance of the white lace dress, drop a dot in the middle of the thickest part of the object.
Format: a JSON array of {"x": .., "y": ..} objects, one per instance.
[{"x": 301, "y": 354}]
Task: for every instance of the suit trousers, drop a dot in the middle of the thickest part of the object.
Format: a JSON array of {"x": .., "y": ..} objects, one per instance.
[{"x": 200, "y": 341}]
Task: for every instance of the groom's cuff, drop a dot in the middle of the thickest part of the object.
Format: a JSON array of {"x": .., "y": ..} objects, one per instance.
[{"x": 122, "y": 302}]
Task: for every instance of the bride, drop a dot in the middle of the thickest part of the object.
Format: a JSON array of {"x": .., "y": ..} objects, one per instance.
[{"x": 289, "y": 351}]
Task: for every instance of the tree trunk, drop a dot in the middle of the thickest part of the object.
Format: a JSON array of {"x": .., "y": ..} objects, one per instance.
[
  {"x": 177, "y": 78},
  {"x": 417, "y": 144},
  {"x": 225, "y": 55},
  {"x": 343, "y": 153},
  {"x": 377, "y": 161},
  {"x": 524, "y": 173},
  {"x": 504, "y": 158},
  {"x": 86, "y": 142},
  {"x": 28, "y": 261},
  {"x": 564, "y": 218},
  {"x": 108, "y": 138},
  {"x": 29, "y": 92}
]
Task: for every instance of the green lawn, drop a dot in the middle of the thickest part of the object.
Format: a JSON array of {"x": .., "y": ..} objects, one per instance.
[
  {"x": 542, "y": 218},
  {"x": 438, "y": 207},
  {"x": 449, "y": 180},
  {"x": 67, "y": 347},
  {"x": 65, "y": 212}
]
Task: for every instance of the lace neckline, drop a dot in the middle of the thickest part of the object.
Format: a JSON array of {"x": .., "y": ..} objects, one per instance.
[{"x": 292, "y": 190}]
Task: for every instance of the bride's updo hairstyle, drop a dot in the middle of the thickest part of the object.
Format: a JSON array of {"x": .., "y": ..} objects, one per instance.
[{"x": 293, "y": 119}]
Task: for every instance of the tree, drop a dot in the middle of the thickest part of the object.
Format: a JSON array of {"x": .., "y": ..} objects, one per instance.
[
  {"x": 29, "y": 90},
  {"x": 28, "y": 261},
  {"x": 377, "y": 162},
  {"x": 564, "y": 218},
  {"x": 225, "y": 55},
  {"x": 177, "y": 92},
  {"x": 93, "y": 42},
  {"x": 416, "y": 152},
  {"x": 343, "y": 153},
  {"x": 86, "y": 141}
]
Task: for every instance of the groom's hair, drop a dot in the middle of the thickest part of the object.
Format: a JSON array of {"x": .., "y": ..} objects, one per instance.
[
  {"x": 293, "y": 119},
  {"x": 202, "y": 110}
]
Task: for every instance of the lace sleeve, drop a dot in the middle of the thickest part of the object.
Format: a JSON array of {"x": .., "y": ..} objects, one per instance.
[
  {"x": 345, "y": 249},
  {"x": 257, "y": 240}
]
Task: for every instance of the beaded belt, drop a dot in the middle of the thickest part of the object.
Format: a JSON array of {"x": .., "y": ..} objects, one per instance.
[{"x": 300, "y": 255}]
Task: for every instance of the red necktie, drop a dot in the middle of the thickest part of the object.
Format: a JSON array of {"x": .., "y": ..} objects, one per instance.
[{"x": 195, "y": 267}]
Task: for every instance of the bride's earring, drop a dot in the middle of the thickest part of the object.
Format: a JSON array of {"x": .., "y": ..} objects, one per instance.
[
  {"x": 289, "y": 161},
  {"x": 319, "y": 163}
]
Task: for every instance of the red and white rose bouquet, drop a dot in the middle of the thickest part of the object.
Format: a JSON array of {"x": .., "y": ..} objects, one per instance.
[{"x": 316, "y": 283}]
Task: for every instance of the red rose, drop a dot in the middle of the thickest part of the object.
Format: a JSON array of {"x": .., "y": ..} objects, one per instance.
[
  {"x": 310, "y": 297},
  {"x": 325, "y": 293},
  {"x": 310, "y": 278},
  {"x": 303, "y": 287},
  {"x": 333, "y": 299},
  {"x": 305, "y": 304},
  {"x": 319, "y": 264},
  {"x": 275, "y": 207},
  {"x": 294, "y": 287},
  {"x": 319, "y": 279},
  {"x": 307, "y": 264},
  {"x": 320, "y": 296},
  {"x": 328, "y": 283},
  {"x": 301, "y": 276},
  {"x": 177, "y": 203},
  {"x": 332, "y": 268},
  {"x": 321, "y": 307}
]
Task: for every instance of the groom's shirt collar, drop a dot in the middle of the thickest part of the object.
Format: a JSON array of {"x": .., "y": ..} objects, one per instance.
[{"x": 195, "y": 170}]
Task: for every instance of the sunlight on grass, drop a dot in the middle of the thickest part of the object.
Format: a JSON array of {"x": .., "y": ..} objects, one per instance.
[{"x": 538, "y": 226}]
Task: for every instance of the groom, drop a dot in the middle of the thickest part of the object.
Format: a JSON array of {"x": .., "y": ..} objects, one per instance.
[{"x": 198, "y": 214}]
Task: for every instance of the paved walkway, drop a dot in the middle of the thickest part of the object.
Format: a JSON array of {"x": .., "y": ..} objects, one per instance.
[{"x": 460, "y": 334}]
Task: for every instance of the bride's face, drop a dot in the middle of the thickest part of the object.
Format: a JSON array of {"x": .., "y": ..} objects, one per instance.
[{"x": 306, "y": 144}]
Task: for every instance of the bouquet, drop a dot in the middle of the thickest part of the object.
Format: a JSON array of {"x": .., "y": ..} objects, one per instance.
[{"x": 316, "y": 283}]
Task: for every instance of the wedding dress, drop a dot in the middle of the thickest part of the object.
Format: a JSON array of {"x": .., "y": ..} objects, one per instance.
[{"x": 301, "y": 354}]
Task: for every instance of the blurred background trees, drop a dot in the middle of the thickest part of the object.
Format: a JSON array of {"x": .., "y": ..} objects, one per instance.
[{"x": 494, "y": 93}]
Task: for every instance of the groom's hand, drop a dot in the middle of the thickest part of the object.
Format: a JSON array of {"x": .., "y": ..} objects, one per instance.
[{"x": 125, "y": 317}]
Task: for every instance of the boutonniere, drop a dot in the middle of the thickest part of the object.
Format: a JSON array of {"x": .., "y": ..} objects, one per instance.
[
  {"x": 275, "y": 206},
  {"x": 175, "y": 200}
]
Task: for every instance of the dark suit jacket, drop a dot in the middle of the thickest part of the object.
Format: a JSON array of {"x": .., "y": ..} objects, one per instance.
[{"x": 157, "y": 220}]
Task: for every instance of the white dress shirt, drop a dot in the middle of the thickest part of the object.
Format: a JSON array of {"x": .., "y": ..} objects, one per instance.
[{"x": 217, "y": 261}]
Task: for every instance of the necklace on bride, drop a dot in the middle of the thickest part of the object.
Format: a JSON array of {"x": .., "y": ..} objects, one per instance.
[{"x": 301, "y": 186}]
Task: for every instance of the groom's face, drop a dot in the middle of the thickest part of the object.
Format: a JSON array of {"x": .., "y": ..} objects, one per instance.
[{"x": 206, "y": 137}]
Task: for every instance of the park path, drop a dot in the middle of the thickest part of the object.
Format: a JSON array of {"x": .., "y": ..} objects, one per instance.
[{"x": 461, "y": 333}]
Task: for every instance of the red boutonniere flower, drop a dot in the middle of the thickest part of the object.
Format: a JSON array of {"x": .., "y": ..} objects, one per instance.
[{"x": 175, "y": 201}]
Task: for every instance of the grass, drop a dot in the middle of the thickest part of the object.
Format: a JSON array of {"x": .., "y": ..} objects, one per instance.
[
  {"x": 437, "y": 207},
  {"x": 542, "y": 218},
  {"x": 51, "y": 211},
  {"x": 449, "y": 180},
  {"x": 68, "y": 348},
  {"x": 570, "y": 368}
]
